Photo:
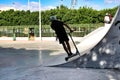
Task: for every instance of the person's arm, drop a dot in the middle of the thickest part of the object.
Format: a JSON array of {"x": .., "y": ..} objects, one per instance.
[
  {"x": 104, "y": 19},
  {"x": 68, "y": 27},
  {"x": 52, "y": 26}
]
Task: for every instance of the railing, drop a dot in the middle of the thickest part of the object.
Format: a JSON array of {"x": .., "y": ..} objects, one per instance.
[
  {"x": 23, "y": 31},
  {"x": 19, "y": 31},
  {"x": 80, "y": 29}
]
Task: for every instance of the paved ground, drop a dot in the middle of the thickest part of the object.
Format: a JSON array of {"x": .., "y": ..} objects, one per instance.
[{"x": 21, "y": 60}]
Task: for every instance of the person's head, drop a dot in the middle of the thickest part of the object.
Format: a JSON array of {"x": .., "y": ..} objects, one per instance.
[
  {"x": 106, "y": 14},
  {"x": 109, "y": 14},
  {"x": 53, "y": 18}
]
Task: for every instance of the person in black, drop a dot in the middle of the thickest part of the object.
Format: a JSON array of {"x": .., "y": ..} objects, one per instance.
[{"x": 58, "y": 27}]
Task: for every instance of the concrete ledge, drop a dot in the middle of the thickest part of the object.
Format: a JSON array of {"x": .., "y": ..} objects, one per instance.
[{"x": 36, "y": 39}]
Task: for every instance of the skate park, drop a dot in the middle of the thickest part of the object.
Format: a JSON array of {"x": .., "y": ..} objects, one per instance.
[
  {"x": 99, "y": 49},
  {"x": 99, "y": 59}
]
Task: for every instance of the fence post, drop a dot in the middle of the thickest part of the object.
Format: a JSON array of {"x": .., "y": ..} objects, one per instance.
[{"x": 14, "y": 35}]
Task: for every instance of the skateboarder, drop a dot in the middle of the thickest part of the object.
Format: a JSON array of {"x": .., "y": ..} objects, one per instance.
[{"x": 58, "y": 27}]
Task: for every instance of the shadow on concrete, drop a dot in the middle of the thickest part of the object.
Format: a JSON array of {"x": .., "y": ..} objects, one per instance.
[
  {"x": 24, "y": 57},
  {"x": 18, "y": 57},
  {"x": 28, "y": 67}
]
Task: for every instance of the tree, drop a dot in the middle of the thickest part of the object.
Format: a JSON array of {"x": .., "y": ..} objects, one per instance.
[{"x": 71, "y": 16}]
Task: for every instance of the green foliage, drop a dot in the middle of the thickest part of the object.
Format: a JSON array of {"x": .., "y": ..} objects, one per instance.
[
  {"x": 13, "y": 18},
  {"x": 76, "y": 16},
  {"x": 82, "y": 15}
]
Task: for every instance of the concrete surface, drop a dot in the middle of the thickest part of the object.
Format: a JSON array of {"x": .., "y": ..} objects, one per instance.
[{"x": 23, "y": 60}]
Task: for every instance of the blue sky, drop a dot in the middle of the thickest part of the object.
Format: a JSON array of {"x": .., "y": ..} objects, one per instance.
[
  {"x": 96, "y": 4},
  {"x": 8, "y": 2},
  {"x": 48, "y": 4},
  {"x": 19, "y": 4}
]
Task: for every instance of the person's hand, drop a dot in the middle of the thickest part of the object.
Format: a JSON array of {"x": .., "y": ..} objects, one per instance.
[{"x": 71, "y": 30}]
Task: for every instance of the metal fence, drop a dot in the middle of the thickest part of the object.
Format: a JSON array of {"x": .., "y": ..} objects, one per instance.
[
  {"x": 23, "y": 31},
  {"x": 19, "y": 31},
  {"x": 80, "y": 29}
]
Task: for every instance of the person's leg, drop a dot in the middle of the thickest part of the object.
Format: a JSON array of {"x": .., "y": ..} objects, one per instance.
[
  {"x": 65, "y": 48},
  {"x": 68, "y": 47}
]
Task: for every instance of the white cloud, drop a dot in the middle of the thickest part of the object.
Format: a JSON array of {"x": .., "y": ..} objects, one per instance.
[
  {"x": 33, "y": 6},
  {"x": 47, "y": 8},
  {"x": 4, "y": 7},
  {"x": 19, "y": 6},
  {"x": 111, "y": 1},
  {"x": 106, "y": 4},
  {"x": 117, "y": 1},
  {"x": 108, "y": 1},
  {"x": 95, "y": 6}
]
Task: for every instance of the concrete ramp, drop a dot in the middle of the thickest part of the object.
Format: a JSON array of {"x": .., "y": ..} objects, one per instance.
[
  {"x": 92, "y": 39},
  {"x": 105, "y": 54}
]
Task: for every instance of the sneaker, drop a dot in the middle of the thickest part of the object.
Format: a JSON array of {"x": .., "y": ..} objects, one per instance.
[{"x": 70, "y": 54}]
